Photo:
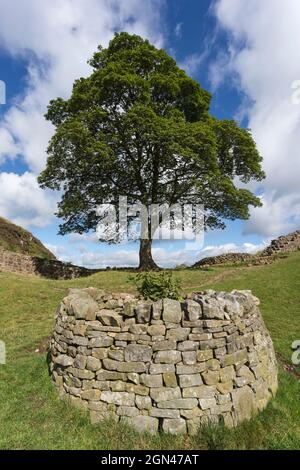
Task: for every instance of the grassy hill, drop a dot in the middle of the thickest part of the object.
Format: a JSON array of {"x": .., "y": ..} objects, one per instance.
[
  {"x": 33, "y": 417},
  {"x": 19, "y": 240}
]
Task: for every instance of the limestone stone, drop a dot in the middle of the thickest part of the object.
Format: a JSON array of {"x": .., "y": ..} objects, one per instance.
[
  {"x": 138, "y": 329},
  {"x": 204, "y": 355},
  {"x": 245, "y": 372},
  {"x": 143, "y": 402},
  {"x": 190, "y": 380},
  {"x": 80, "y": 341},
  {"x": 189, "y": 357},
  {"x": 109, "y": 375},
  {"x": 193, "y": 426},
  {"x": 80, "y": 330},
  {"x": 151, "y": 380},
  {"x": 164, "y": 394},
  {"x": 243, "y": 403},
  {"x": 211, "y": 377},
  {"x": 178, "y": 334},
  {"x": 157, "y": 310},
  {"x": 101, "y": 385},
  {"x": 93, "y": 394},
  {"x": 81, "y": 373},
  {"x": 179, "y": 403},
  {"x": 138, "y": 353},
  {"x": 206, "y": 403},
  {"x": 161, "y": 368},
  {"x": 93, "y": 364},
  {"x": 164, "y": 413},
  {"x": 171, "y": 311},
  {"x": 164, "y": 345},
  {"x": 143, "y": 312},
  {"x": 116, "y": 355},
  {"x": 133, "y": 377},
  {"x": 109, "y": 317},
  {"x": 183, "y": 369},
  {"x": 118, "y": 386},
  {"x": 138, "y": 367},
  {"x": 193, "y": 413},
  {"x": 170, "y": 379},
  {"x": 143, "y": 424},
  {"x": 127, "y": 411},
  {"x": 118, "y": 398},
  {"x": 203, "y": 391},
  {"x": 83, "y": 307},
  {"x": 188, "y": 346},
  {"x": 227, "y": 373},
  {"x": 225, "y": 387},
  {"x": 174, "y": 426},
  {"x": 137, "y": 389},
  {"x": 156, "y": 330},
  {"x": 103, "y": 342},
  {"x": 213, "y": 364},
  {"x": 192, "y": 309},
  {"x": 129, "y": 308},
  {"x": 167, "y": 357},
  {"x": 64, "y": 360}
]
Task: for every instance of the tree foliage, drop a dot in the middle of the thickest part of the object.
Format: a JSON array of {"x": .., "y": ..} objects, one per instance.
[{"x": 140, "y": 126}]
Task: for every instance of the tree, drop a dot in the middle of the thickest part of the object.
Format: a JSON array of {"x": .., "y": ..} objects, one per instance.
[{"x": 139, "y": 126}]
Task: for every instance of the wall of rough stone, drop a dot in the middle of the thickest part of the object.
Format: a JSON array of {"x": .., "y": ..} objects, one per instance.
[
  {"x": 53, "y": 269},
  {"x": 163, "y": 365},
  {"x": 283, "y": 244}
]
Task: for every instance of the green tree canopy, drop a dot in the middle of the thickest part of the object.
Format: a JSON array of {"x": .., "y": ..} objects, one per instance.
[{"x": 140, "y": 126}]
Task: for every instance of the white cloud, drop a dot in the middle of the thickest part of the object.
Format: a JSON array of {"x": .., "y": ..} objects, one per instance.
[
  {"x": 178, "y": 30},
  {"x": 261, "y": 59},
  {"x": 56, "y": 39},
  {"x": 192, "y": 62},
  {"x": 23, "y": 202},
  {"x": 129, "y": 257}
]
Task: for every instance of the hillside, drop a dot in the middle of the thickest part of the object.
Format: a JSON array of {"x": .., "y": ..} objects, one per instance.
[
  {"x": 33, "y": 416},
  {"x": 19, "y": 240}
]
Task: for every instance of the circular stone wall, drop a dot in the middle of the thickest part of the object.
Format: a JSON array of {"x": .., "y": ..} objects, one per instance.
[{"x": 163, "y": 365}]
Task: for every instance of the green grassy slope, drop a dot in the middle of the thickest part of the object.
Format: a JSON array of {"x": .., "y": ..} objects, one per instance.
[
  {"x": 19, "y": 240},
  {"x": 32, "y": 416}
]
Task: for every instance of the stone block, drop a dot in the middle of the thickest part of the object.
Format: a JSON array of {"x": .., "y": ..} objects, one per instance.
[
  {"x": 174, "y": 426},
  {"x": 171, "y": 311}
]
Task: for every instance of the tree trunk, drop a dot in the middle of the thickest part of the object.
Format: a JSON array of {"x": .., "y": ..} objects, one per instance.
[{"x": 146, "y": 261}]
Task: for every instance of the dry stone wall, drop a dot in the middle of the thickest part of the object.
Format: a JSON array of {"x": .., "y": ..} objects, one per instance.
[
  {"x": 52, "y": 269},
  {"x": 163, "y": 365},
  {"x": 284, "y": 244}
]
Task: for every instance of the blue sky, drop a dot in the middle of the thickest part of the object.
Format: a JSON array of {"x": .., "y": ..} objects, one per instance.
[{"x": 240, "y": 52}]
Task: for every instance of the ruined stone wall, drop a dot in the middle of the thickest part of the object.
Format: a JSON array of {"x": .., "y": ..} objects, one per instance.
[
  {"x": 53, "y": 269},
  {"x": 226, "y": 258},
  {"x": 163, "y": 365},
  {"x": 284, "y": 244}
]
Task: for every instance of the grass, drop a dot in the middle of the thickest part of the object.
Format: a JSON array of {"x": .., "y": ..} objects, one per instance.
[{"x": 33, "y": 417}]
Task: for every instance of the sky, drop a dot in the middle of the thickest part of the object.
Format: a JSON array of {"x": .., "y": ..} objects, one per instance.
[{"x": 245, "y": 53}]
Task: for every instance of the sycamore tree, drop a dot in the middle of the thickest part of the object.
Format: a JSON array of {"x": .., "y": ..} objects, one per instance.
[{"x": 140, "y": 127}]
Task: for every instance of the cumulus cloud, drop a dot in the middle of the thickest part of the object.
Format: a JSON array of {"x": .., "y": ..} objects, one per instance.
[
  {"x": 261, "y": 59},
  {"x": 129, "y": 256},
  {"x": 56, "y": 39},
  {"x": 23, "y": 202}
]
